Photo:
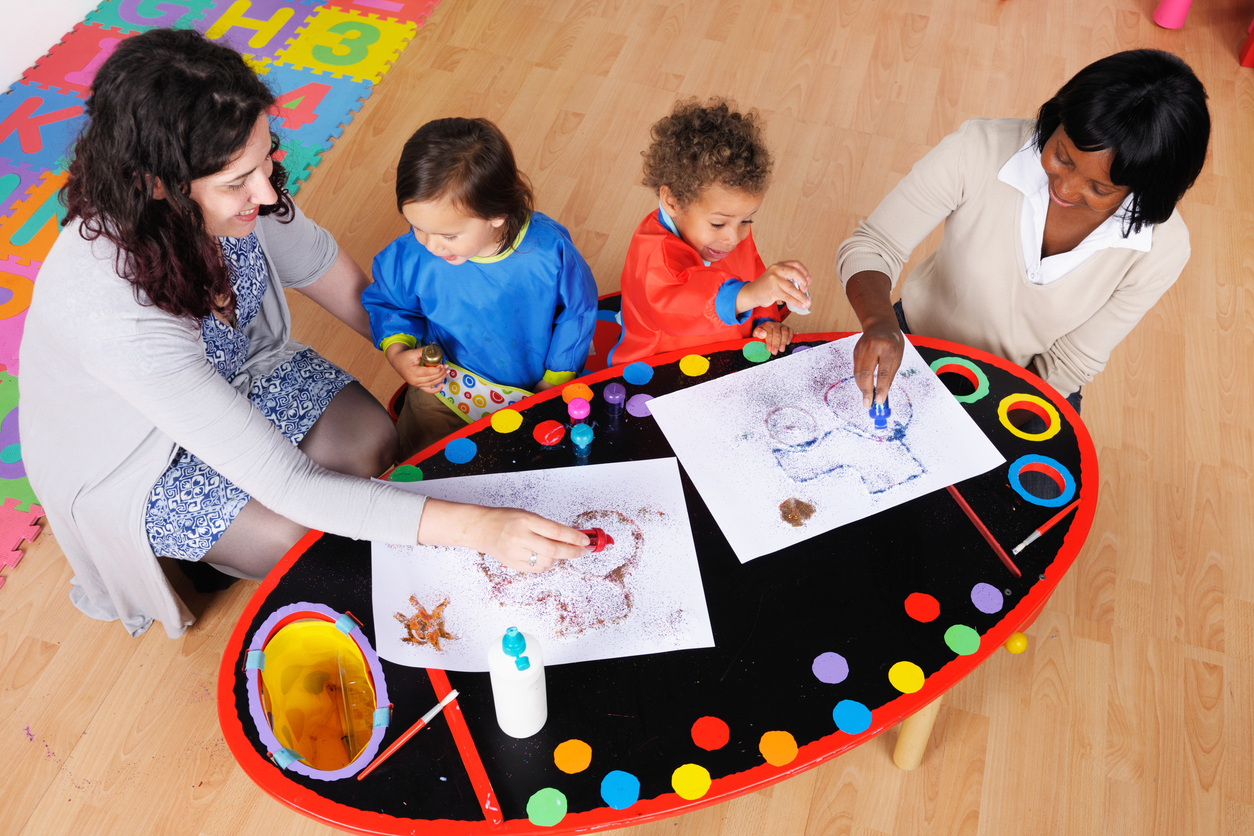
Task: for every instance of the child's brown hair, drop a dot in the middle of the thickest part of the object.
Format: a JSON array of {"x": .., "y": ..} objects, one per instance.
[{"x": 703, "y": 143}]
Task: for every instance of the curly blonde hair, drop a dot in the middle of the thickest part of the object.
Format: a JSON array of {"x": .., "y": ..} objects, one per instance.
[{"x": 701, "y": 143}]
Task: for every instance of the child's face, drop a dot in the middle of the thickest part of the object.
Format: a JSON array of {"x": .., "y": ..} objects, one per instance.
[
  {"x": 449, "y": 233},
  {"x": 716, "y": 221}
]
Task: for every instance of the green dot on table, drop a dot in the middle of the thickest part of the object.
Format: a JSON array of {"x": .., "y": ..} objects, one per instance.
[
  {"x": 546, "y": 808},
  {"x": 755, "y": 352},
  {"x": 962, "y": 639},
  {"x": 406, "y": 473}
]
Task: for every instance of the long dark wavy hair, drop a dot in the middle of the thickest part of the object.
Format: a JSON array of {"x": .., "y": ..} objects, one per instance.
[
  {"x": 166, "y": 106},
  {"x": 470, "y": 162}
]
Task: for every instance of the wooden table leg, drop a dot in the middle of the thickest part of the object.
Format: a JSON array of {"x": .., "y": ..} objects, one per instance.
[{"x": 915, "y": 732}]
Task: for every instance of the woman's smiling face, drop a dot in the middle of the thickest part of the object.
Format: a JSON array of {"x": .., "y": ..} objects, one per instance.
[
  {"x": 230, "y": 199},
  {"x": 1078, "y": 179}
]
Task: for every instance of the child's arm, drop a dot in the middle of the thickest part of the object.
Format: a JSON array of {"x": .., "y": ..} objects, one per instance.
[
  {"x": 575, "y": 321},
  {"x": 397, "y": 325},
  {"x": 783, "y": 281}
]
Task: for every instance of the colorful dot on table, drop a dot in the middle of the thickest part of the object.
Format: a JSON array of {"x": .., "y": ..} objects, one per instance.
[
  {"x": 694, "y": 365},
  {"x": 506, "y": 420},
  {"x": 1017, "y": 643},
  {"x": 620, "y": 789},
  {"x": 906, "y": 677},
  {"x": 691, "y": 781},
  {"x": 460, "y": 450},
  {"x": 962, "y": 639},
  {"x": 851, "y": 716},
  {"x": 778, "y": 747},
  {"x": 638, "y": 374},
  {"x": 987, "y": 598},
  {"x": 710, "y": 733},
  {"x": 577, "y": 390},
  {"x": 406, "y": 473},
  {"x": 797, "y": 349},
  {"x": 830, "y": 668},
  {"x": 549, "y": 433},
  {"x": 546, "y": 808},
  {"x": 572, "y": 756},
  {"x": 756, "y": 352},
  {"x": 638, "y": 405},
  {"x": 11, "y": 454},
  {"x": 922, "y": 607}
]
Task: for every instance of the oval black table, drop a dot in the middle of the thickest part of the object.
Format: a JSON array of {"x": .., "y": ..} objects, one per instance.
[{"x": 776, "y": 621}]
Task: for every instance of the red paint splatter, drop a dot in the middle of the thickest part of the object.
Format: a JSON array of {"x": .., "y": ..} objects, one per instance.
[
  {"x": 549, "y": 433},
  {"x": 30, "y": 735},
  {"x": 922, "y": 607},
  {"x": 710, "y": 733}
]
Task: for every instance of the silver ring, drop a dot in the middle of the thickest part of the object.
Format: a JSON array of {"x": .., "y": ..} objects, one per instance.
[{"x": 531, "y": 561}]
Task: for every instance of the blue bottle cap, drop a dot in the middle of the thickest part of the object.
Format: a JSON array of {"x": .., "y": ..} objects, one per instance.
[
  {"x": 523, "y": 663},
  {"x": 581, "y": 434},
  {"x": 514, "y": 643}
]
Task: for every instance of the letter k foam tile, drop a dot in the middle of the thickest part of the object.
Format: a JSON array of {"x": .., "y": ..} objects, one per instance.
[
  {"x": 362, "y": 47},
  {"x": 37, "y": 126}
]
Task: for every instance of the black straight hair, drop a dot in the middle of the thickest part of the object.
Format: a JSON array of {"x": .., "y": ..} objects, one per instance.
[{"x": 1149, "y": 109}]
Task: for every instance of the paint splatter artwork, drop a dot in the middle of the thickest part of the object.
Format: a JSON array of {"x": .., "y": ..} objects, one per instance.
[
  {"x": 785, "y": 451},
  {"x": 643, "y": 594}
]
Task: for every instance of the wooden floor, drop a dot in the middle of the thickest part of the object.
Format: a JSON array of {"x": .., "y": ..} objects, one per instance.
[{"x": 1132, "y": 711}]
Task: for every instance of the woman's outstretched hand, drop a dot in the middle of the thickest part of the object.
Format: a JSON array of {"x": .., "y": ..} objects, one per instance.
[
  {"x": 877, "y": 354},
  {"x": 510, "y": 535}
]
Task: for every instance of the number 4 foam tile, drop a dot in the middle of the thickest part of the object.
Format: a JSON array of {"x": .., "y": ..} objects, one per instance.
[
  {"x": 15, "y": 527},
  {"x": 16, "y": 182},
  {"x": 312, "y": 107},
  {"x": 349, "y": 44},
  {"x": 415, "y": 11},
  {"x": 133, "y": 16},
  {"x": 72, "y": 64}
]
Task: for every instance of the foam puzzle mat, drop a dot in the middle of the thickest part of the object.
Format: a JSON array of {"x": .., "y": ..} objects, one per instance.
[{"x": 321, "y": 58}]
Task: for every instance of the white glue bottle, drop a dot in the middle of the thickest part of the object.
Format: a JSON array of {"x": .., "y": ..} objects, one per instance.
[{"x": 516, "y": 665}]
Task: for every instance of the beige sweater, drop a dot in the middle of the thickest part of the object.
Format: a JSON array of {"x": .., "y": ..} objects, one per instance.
[{"x": 974, "y": 289}]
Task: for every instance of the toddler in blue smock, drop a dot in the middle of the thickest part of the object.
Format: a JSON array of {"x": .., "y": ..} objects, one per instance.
[{"x": 498, "y": 286}]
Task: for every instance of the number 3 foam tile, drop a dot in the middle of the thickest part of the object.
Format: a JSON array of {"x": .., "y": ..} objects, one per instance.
[
  {"x": 133, "y": 16},
  {"x": 345, "y": 43},
  {"x": 259, "y": 28},
  {"x": 312, "y": 107},
  {"x": 72, "y": 64}
]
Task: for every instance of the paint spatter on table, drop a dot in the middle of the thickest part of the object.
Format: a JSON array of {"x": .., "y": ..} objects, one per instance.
[
  {"x": 577, "y": 390},
  {"x": 906, "y": 677},
  {"x": 795, "y": 512},
  {"x": 638, "y": 405},
  {"x": 460, "y": 450},
  {"x": 778, "y": 747},
  {"x": 406, "y": 473},
  {"x": 549, "y": 433},
  {"x": 710, "y": 733},
  {"x": 756, "y": 352},
  {"x": 638, "y": 374},
  {"x": 620, "y": 789},
  {"x": 922, "y": 607},
  {"x": 830, "y": 668},
  {"x": 546, "y": 808},
  {"x": 425, "y": 628},
  {"x": 694, "y": 365},
  {"x": 572, "y": 756},
  {"x": 691, "y": 781},
  {"x": 851, "y": 716},
  {"x": 987, "y": 598},
  {"x": 506, "y": 420},
  {"x": 962, "y": 640}
]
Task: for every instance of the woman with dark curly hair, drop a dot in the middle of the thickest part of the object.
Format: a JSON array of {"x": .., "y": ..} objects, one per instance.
[
  {"x": 165, "y": 409},
  {"x": 1060, "y": 232},
  {"x": 693, "y": 274}
]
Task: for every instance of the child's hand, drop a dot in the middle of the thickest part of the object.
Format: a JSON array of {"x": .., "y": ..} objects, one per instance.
[
  {"x": 408, "y": 364},
  {"x": 785, "y": 281},
  {"x": 776, "y": 335}
]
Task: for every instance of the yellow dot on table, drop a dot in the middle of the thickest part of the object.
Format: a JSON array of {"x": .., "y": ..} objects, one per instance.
[
  {"x": 572, "y": 756},
  {"x": 778, "y": 747},
  {"x": 906, "y": 677},
  {"x": 691, "y": 781},
  {"x": 506, "y": 420},
  {"x": 1017, "y": 643},
  {"x": 577, "y": 390},
  {"x": 694, "y": 365}
]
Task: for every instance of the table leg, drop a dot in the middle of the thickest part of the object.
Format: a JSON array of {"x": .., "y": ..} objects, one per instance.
[{"x": 915, "y": 732}]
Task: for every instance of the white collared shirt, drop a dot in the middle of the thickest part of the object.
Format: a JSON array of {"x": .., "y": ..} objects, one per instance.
[{"x": 1025, "y": 172}]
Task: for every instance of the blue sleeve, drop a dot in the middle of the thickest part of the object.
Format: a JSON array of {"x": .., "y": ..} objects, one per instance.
[
  {"x": 725, "y": 303},
  {"x": 392, "y": 301},
  {"x": 577, "y": 317}
]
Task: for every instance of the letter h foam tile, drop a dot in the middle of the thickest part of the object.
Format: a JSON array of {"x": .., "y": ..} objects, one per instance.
[
  {"x": 343, "y": 43},
  {"x": 132, "y": 16},
  {"x": 72, "y": 64},
  {"x": 312, "y": 107},
  {"x": 257, "y": 28}
]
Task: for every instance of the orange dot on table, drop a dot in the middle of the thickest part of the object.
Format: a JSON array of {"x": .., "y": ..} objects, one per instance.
[
  {"x": 577, "y": 390},
  {"x": 778, "y": 747},
  {"x": 549, "y": 433},
  {"x": 906, "y": 677},
  {"x": 572, "y": 756},
  {"x": 691, "y": 781},
  {"x": 922, "y": 607},
  {"x": 710, "y": 733},
  {"x": 506, "y": 420}
]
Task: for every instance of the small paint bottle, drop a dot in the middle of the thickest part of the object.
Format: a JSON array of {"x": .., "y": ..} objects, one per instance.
[
  {"x": 578, "y": 410},
  {"x": 614, "y": 395},
  {"x": 432, "y": 355},
  {"x": 880, "y": 413},
  {"x": 581, "y": 435},
  {"x": 516, "y": 667},
  {"x": 799, "y": 311}
]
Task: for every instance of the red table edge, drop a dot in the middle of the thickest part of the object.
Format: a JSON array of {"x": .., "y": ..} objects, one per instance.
[{"x": 271, "y": 779}]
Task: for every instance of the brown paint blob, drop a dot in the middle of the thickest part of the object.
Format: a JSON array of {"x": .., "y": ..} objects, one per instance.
[{"x": 795, "y": 512}]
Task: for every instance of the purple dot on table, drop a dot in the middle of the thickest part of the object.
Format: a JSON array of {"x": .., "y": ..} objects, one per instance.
[
  {"x": 614, "y": 393},
  {"x": 797, "y": 349},
  {"x": 638, "y": 405},
  {"x": 460, "y": 450},
  {"x": 830, "y": 668},
  {"x": 987, "y": 598},
  {"x": 638, "y": 374},
  {"x": 851, "y": 716}
]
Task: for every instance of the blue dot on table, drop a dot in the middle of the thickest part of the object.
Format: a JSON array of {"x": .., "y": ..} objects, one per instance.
[
  {"x": 620, "y": 789},
  {"x": 460, "y": 450},
  {"x": 638, "y": 374},
  {"x": 851, "y": 716}
]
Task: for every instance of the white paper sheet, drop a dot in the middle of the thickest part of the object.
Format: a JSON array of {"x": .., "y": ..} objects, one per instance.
[
  {"x": 641, "y": 595},
  {"x": 795, "y": 429}
]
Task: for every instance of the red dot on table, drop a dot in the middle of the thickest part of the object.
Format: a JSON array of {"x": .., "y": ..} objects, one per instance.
[
  {"x": 710, "y": 733},
  {"x": 922, "y": 607},
  {"x": 549, "y": 433}
]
